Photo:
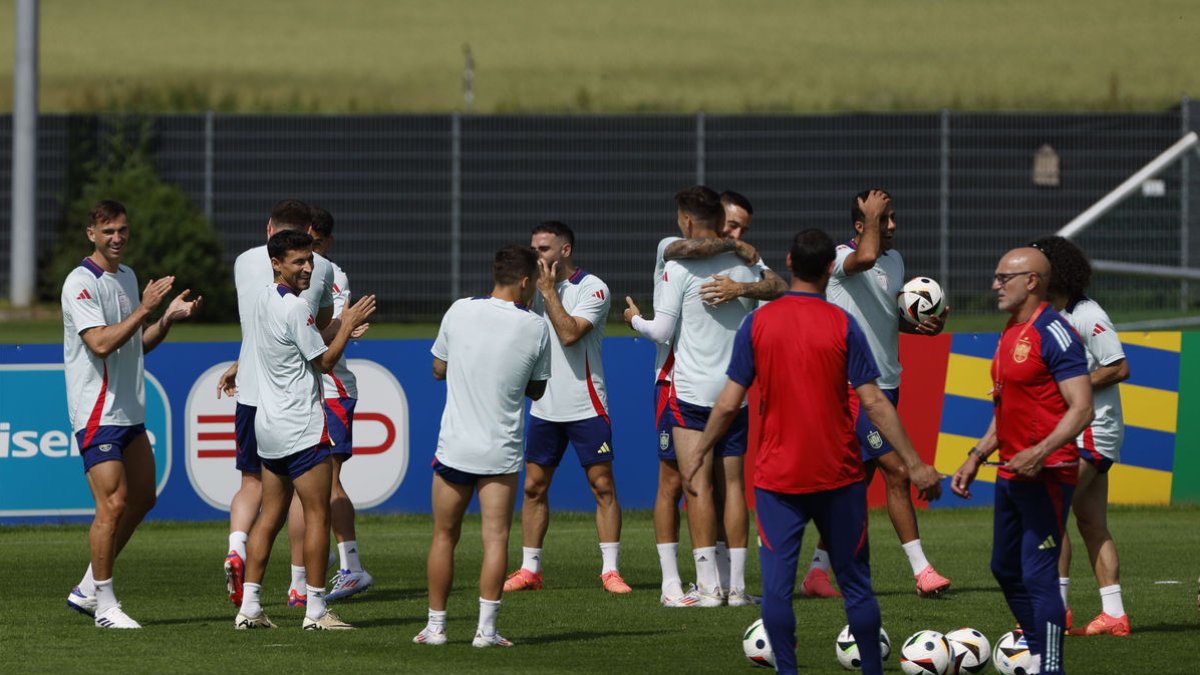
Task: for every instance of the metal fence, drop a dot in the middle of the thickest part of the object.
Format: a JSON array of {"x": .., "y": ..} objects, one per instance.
[{"x": 422, "y": 201}]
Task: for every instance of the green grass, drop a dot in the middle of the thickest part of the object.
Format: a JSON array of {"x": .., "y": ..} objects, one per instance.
[
  {"x": 576, "y": 56},
  {"x": 170, "y": 580}
]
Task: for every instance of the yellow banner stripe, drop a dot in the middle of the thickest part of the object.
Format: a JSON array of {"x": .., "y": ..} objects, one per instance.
[
  {"x": 1172, "y": 342},
  {"x": 1136, "y": 485},
  {"x": 1149, "y": 408},
  {"x": 969, "y": 376}
]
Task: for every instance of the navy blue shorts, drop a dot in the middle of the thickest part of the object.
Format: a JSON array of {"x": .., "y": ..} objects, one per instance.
[
  {"x": 105, "y": 443},
  {"x": 299, "y": 463},
  {"x": 871, "y": 443},
  {"x": 246, "y": 442},
  {"x": 546, "y": 442},
  {"x": 455, "y": 476},
  {"x": 339, "y": 415},
  {"x": 733, "y": 443},
  {"x": 1102, "y": 463},
  {"x": 664, "y": 413}
]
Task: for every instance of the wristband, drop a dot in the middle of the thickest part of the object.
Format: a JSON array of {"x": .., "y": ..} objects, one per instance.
[{"x": 976, "y": 452}]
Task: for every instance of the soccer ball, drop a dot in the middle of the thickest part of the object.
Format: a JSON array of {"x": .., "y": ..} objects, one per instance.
[
  {"x": 926, "y": 652},
  {"x": 971, "y": 650},
  {"x": 757, "y": 647},
  {"x": 920, "y": 299},
  {"x": 847, "y": 649},
  {"x": 1011, "y": 655}
]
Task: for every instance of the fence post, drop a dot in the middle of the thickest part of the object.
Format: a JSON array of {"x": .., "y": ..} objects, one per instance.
[
  {"x": 944, "y": 203},
  {"x": 700, "y": 148},
  {"x": 208, "y": 166},
  {"x": 1185, "y": 125},
  {"x": 455, "y": 206}
]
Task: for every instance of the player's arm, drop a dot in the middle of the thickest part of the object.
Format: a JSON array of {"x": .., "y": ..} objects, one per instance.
[
  {"x": 1077, "y": 392},
  {"x": 535, "y": 388},
  {"x": 729, "y": 402},
  {"x": 180, "y": 308},
  {"x": 883, "y": 415},
  {"x": 930, "y": 326},
  {"x": 569, "y": 329},
  {"x": 707, "y": 247},
  {"x": 353, "y": 317},
  {"x": 869, "y": 247},
  {"x": 723, "y": 289},
  {"x": 1113, "y": 373},
  {"x": 104, "y": 340},
  {"x": 439, "y": 369},
  {"x": 960, "y": 483},
  {"x": 227, "y": 383}
]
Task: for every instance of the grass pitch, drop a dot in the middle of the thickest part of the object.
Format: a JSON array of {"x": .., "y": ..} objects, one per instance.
[{"x": 170, "y": 580}]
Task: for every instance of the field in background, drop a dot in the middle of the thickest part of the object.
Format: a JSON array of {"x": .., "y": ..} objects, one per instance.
[
  {"x": 573, "y": 56},
  {"x": 170, "y": 579}
]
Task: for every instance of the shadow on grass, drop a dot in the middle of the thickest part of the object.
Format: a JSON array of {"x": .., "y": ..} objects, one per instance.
[{"x": 586, "y": 636}]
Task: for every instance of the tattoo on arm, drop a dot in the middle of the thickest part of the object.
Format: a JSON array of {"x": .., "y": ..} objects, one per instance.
[{"x": 701, "y": 247}]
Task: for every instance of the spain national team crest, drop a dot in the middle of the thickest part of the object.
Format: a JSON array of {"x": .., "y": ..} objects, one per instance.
[
  {"x": 1021, "y": 350},
  {"x": 664, "y": 440},
  {"x": 875, "y": 439}
]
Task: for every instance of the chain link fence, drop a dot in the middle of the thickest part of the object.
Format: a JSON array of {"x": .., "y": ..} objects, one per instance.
[{"x": 421, "y": 202}]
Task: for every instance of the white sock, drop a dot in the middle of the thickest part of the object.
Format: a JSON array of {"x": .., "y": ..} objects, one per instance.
[
  {"x": 1035, "y": 664},
  {"x": 610, "y": 555},
  {"x": 668, "y": 560},
  {"x": 1063, "y": 583},
  {"x": 722, "y": 564},
  {"x": 1110, "y": 600},
  {"x": 348, "y": 551},
  {"x": 737, "y": 569},
  {"x": 488, "y": 609},
  {"x": 706, "y": 569},
  {"x": 299, "y": 579},
  {"x": 316, "y": 602},
  {"x": 87, "y": 585},
  {"x": 531, "y": 559},
  {"x": 251, "y": 599},
  {"x": 437, "y": 622},
  {"x": 237, "y": 542},
  {"x": 820, "y": 560},
  {"x": 916, "y": 556},
  {"x": 106, "y": 597}
]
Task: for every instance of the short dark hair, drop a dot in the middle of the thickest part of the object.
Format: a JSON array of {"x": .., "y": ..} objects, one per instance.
[
  {"x": 1070, "y": 271},
  {"x": 558, "y": 229},
  {"x": 737, "y": 199},
  {"x": 812, "y": 250},
  {"x": 291, "y": 214},
  {"x": 703, "y": 205},
  {"x": 514, "y": 262},
  {"x": 856, "y": 214},
  {"x": 105, "y": 211},
  {"x": 287, "y": 240},
  {"x": 322, "y": 221}
]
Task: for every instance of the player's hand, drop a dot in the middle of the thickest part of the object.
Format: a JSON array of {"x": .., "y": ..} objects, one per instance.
[
  {"x": 933, "y": 325},
  {"x": 356, "y": 314},
  {"x": 745, "y": 251},
  {"x": 960, "y": 482},
  {"x": 227, "y": 384},
  {"x": 927, "y": 481},
  {"x": 1027, "y": 463},
  {"x": 359, "y": 331},
  {"x": 631, "y": 310},
  {"x": 720, "y": 289},
  {"x": 547, "y": 277},
  {"x": 873, "y": 206},
  {"x": 182, "y": 308},
  {"x": 155, "y": 292}
]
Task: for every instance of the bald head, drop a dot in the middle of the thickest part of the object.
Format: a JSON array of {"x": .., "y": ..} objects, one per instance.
[
  {"x": 1028, "y": 259},
  {"x": 1021, "y": 281}
]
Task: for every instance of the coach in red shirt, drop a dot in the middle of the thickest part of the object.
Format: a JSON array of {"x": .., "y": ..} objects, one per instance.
[
  {"x": 802, "y": 350},
  {"x": 1043, "y": 400}
]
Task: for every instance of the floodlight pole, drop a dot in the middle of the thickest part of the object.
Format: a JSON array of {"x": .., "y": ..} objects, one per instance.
[{"x": 24, "y": 155}]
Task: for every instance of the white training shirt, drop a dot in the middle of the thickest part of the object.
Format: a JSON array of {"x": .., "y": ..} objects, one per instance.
[
  {"x": 341, "y": 383},
  {"x": 1103, "y": 346},
  {"x": 493, "y": 349},
  {"x": 576, "y": 392},
  {"x": 291, "y": 408},
  {"x": 251, "y": 271},
  {"x": 706, "y": 332},
  {"x": 870, "y": 297},
  {"x": 100, "y": 391},
  {"x": 664, "y": 354}
]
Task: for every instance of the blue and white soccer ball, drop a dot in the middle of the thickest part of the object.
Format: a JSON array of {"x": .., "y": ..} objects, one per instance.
[
  {"x": 847, "y": 649},
  {"x": 920, "y": 299},
  {"x": 757, "y": 647},
  {"x": 971, "y": 650},
  {"x": 1011, "y": 655},
  {"x": 926, "y": 652}
]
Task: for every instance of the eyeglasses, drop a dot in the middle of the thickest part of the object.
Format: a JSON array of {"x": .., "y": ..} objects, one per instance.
[{"x": 1005, "y": 277}]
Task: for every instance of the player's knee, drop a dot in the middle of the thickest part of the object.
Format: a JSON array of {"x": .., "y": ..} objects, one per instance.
[
  {"x": 112, "y": 507},
  {"x": 535, "y": 490}
]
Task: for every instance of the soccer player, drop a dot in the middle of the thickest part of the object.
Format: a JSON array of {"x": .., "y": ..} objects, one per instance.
[
  {"x": 704, "y": 343},
  {"x": 1100, "y": 443},
  {"x": 575, "y": 408},
  {"x": 252, "y": 271},
  {"x": 867, "y": 277},
  {"x": 1043, "y": 401},
  {"x": 291, "y": 426},
  {"x": 738, "y": 213},
  {"x": 802, "y": 351},
  {"x": 492, "y": 352},
  {"x": 106, "y": 332}
]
